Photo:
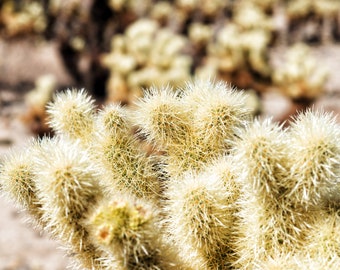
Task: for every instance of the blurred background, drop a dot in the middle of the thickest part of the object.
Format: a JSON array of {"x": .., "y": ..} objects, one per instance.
[{"x": 285, "y": 55}]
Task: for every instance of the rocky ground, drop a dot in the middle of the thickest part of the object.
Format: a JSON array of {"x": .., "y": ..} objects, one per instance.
[{"x": 21, "y": 247}]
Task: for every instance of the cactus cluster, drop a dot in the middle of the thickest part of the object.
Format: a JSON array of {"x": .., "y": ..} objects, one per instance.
[
  {"x": 146, "y": 55},
  {"x": 22, "y": 18},
  {"x": 300, "y": 76},
  {"x": 217, "y": 189},
  {"x": 36, "y": 101},
  {"x": 124, "y": 46}
]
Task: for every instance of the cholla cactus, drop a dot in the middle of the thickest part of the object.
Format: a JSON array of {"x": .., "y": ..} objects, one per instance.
[
  {"x": 72, "y": 114},
  {"x": 200, "y": 34},
  {"x": 162, "y": 117},
  {"x": 23, "y": 18},
  {"x": 36, "y": 101},
  {"x": 38, "y": 97},
  {"x": 68, "y": 187},
  {"x": 249, "y": 15},
  {"x": 201, "y": 219},
  {"x": 301, "y": 8},
  {"x": 299, "y": 261},
  {"x": 323, "y": 239},
  {"x": 57, "y": 184},
  {"x": 146, "y": 55},
  {"x": 300, "y": 77},
  {"x": 280, "y": 186},
  {"x": 217, "y": 120},
  {"x": 315, "y": 160},
  {"x": 18, "y": 180},
  {"x": 326, "y": 11},
  {"x": 226, "y": 53},
  {"x": 268, "y": 225},
  {"x": 254, "y": 30},
  {"x": 320, "y": 250},
  {"x": 194, "y": 125},
  {"x": 264, "y": 5},
  {"x": 208, "y": 8},
  {"x": 68, "y": 183},
  {"x": 223, "y": 192},
  {"x": 129, "y": 6},
  {"x": 238, "y": 52},
  {"x": 131, "y": 170},
  {"x": 165, "y": 13}
]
